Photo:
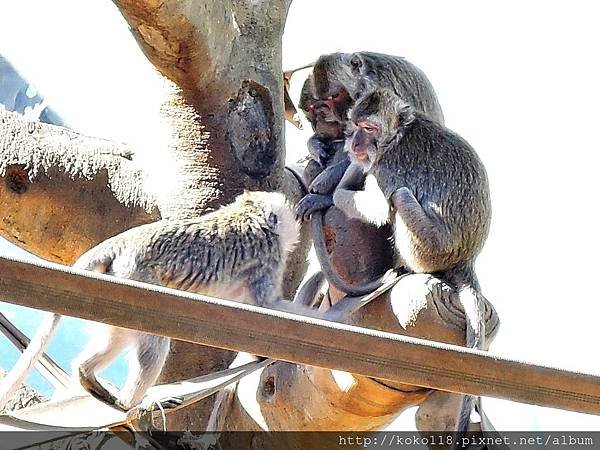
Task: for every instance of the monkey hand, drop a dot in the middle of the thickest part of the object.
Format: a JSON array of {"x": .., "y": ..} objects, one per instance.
[
  {"x": 311, "y": 203},
  {"x": 319, "y": 151}
]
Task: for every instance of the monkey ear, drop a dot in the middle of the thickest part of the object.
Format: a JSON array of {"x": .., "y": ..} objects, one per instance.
[
  {"x": 356, "y": 63},
  {"x": 405, "y": 113}
]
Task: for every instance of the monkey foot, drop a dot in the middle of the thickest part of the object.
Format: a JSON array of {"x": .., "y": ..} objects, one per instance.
[
  {"x": 152, "y": 404},
  {"x": 141, "y": 415},
  {"x": 96, "y": 390}
]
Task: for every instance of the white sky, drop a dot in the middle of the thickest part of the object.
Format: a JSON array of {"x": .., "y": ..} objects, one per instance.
[{"x": 519, "y": 80}]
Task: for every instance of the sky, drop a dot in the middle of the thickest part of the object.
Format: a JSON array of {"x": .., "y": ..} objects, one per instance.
[{"x": 518, "y": 80}]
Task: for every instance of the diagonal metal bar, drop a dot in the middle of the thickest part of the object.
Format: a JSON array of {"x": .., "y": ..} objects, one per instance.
[
  {"x": 290, "y": 337},
  {"x": 47, "y": 367}
]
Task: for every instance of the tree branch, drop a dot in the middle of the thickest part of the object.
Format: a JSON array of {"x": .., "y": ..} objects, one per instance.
[{"x": 62, "y": 192}]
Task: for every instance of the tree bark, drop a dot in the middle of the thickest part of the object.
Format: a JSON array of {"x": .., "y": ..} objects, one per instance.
[
  {"x": 222, "y": 120},
  {"x": 61, "y": 193}
]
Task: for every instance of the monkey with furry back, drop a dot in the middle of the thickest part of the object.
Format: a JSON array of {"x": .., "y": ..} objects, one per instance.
[
  {"x": 237, "y": 252},
  {"x": 433, "y": 188},
  {"x": 337, "y": 81}
]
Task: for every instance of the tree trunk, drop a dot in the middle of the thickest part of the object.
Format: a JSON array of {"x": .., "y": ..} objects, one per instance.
[
  {"x": 223, "y": 118},
  {"x": 222, "y": 124}
]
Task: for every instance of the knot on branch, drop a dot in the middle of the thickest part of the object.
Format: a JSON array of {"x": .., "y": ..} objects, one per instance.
[
  {"x": 17, "y": 179},
  {"x": 250, "y": 130}
]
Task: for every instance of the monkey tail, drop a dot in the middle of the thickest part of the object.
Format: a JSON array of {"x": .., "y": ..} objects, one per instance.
[
  {"x": 468, "y": 293},
  {"x": 41, "y": 339},
  {"x": 316, "y": 224},
  {"x": 37, "y": 346},
  {"x": 308, "y": 293}
]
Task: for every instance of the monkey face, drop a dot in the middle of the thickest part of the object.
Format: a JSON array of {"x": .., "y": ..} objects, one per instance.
[
  {"x": 382, "y": 115},
  {"x": 338, "y": 102},
  {"x": 361, "y": 144}
]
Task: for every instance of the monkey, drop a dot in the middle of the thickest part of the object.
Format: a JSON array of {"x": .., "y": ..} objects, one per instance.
[
  {"x": 326, "y": 145},
  {"x": 430, "y": 184},
  {"x": 237, "y": 252},
  {"x": 337, "y": 81}
]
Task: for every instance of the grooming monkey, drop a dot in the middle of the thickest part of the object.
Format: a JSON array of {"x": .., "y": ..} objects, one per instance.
[
  {"x": 340, "y": 79},
  {"x": 237, "y": 252},
  {"x": 326, "y": 144},
  {"x": 433, "y": 188},
  {"x": 337, "y": 81}
]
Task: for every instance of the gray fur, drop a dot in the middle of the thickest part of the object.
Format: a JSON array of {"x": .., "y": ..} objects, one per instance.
[
  {"x": 376, "y": 70},
  {"x": 349, "y": 77},
  {"x": 237, "y": 252},
  {"x": 435, "y": 189}
]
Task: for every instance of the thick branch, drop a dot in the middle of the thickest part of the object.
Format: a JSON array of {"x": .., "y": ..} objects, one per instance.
[
  {"x": 62, "y": 192},
  {"x": 192, "y": 43}
]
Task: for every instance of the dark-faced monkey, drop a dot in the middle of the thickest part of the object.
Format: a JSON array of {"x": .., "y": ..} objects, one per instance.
[
  {"x": 237, "y": 252},
  {"x": 431, "y": 186},
  {"x": 340, "y": 79},
  {"x": 337, "y": 81}
]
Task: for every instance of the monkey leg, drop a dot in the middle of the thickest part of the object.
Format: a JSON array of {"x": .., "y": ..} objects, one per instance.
[
  {"x": 326, "y": 181},
  {"x": 312, "y": 170},
  {"x": 422, "y": 241},
  {"x": 105, "y": 345},
  {"x": 368, "y": 205},
  {"x": 146, "y": 361}
]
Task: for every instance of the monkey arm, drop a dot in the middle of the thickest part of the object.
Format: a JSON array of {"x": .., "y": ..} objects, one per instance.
[
  {"x": 326, "y": 181},
  {"x": 319, "y": 150},
  {"x": 369, "y": 205},
  {"x": 428, "y": 231}
]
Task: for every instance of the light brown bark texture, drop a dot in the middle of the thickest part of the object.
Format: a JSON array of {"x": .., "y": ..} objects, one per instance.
[
  {"x": 294, "y": 397},
  {"x": 63, "y": 193}
]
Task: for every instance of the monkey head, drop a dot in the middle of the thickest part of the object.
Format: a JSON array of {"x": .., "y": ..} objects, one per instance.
[
  {"x": 323, "y": 121},
  {"x": 333, "y": 82},
  {"x": 273, "y": 212},
  {"x": 377, "y": 120},
  {"x": 372, "y": 71}
]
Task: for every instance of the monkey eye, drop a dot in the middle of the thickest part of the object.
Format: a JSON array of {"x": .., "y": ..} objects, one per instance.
[
  {"x": 369, "y": 128},
  {"x": 334, "y": 96}
]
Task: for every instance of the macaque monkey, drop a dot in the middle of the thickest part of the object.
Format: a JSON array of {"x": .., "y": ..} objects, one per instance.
[
  {"x": 237, "y": 252},
  {"x": 326, "y": 145},
  {"x": 431, "y": 186},
  {"x": 337, "y": 82},
  {"x": 340, "y": 79}
]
